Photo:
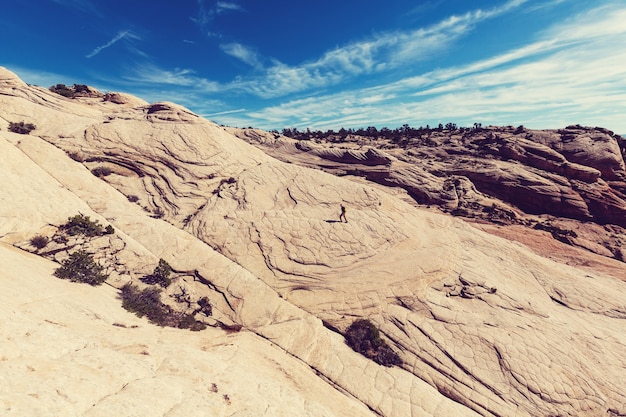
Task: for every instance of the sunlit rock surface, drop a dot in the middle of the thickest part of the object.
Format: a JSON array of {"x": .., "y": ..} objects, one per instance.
[{"x": 484, "y": 325}]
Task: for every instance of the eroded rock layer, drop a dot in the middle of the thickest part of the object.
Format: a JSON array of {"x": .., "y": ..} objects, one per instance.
[
  {"x": 483, "y": 325},
  {"x": 559, "y": 181}
]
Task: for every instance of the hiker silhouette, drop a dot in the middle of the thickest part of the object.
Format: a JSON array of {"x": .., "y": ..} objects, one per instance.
[{"x": 342, "y": 216}]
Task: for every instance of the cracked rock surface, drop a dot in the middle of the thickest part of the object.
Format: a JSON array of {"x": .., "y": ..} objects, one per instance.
[
  {"x": 568, "y": 182},
  {"x": 483, "y": 325}
]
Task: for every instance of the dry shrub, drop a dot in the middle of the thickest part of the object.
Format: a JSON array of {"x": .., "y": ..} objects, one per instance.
[
  {"x": 147, "y": 302},
  {"x": 364, "y": 337},
  {"x": 39, "y": 241},
  {"x": 21, "y": 127}
]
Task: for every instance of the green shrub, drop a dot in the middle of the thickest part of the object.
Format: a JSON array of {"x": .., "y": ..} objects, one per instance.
[
  {"x": 39, "y": 241},
  {"x": 21, "y": 127},
  {"x": 109, "y": 230},
  {"x": 364, "y": 337},
  {"x": 147, "y": 302},
  {"x": 81, "y": 267},
  {"x": 76, "y": 90},
  {"x": 82, "y": 225},
  {"x": 81, "y": 88},
  {"x": 160, "y": 275},
  {"x": 205, "y": 306},
  {"x": 63, "y": 90},
  {"x": 188, "y": 322}
]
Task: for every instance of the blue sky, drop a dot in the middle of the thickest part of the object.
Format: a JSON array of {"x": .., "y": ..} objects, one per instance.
[{"x": 329, "y": 64}]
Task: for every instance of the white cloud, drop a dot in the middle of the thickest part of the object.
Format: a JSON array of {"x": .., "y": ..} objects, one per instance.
[
  {"x": 149, "y": 74},
  {"x": 121, "y": 35},
  {"x": 576, "y": 74},
  {"x": 545, "y": 5},
  {"x": 243, "y": 53},
  {"x": 573, "y": 73},
  {"x": 596, "y": 23},
  {"x": 279, "y": 80},
  {"x": 382, "y": 52},
  {"x": 223, "y": 6},
  {"x": 206, "y": 13}
]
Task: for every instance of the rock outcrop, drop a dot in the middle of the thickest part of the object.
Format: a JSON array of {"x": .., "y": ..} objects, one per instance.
[
  {"x": 497, "y": 174},
  {"x": 483, "y": 325},
  {"x": 122, "y": 98}
]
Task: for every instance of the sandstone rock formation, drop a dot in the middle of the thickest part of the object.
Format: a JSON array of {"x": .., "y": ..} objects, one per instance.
[
  {"x": 503, "y": 175},
  {"x": 483, "y": 325}
]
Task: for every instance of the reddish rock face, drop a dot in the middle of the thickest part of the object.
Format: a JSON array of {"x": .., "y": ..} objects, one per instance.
[{"x": 593, "y": 147}]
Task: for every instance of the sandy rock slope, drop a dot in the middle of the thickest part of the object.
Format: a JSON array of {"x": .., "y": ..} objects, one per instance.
[{"x": 484, "y": 326}]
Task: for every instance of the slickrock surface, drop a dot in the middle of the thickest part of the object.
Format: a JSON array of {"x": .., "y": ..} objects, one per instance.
[
  {"x": 70, "y": 350},
  {"x": 484, "y": 325},
  {"x": 560, "y": 181}
]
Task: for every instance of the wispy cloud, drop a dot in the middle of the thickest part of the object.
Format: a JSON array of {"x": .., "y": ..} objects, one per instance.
[
  {"x": 224, "y": 6},
  {"x": 575, "y": 74},
  {"x": 120, "y": 35},
  {"x": 207, "y": 11},
  {"x": 545, "y": 5},
  {"x": 150, "y": 75},
  {"x": 572, "y": 73},
  {"x": 242, "y": 53},
  {"x": 424, "y": 7},
  {"x": 204, "y": 15},
  {"x": 223, "y": 113},
  {"x": 384, "y": 52}
]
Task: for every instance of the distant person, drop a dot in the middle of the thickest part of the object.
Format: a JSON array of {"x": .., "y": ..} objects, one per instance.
[{"x": 342, "y": 216}]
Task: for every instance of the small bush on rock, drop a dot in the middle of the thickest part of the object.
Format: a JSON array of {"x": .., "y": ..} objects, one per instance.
[
  {"x": 101, "y": 171},
  {"x": 81, "y": 267},
  {"x": 158, "y": 213},
  {"x": 63, "y": 90},
  {"x": 82, "y": 225},
  {"x": 76, "y": 156},
  {"x": 205, "y": 306},
  {"x": 147, "y": 302},
  {"x": 160, "y": 275},
  {"x": 77, "y": 90},
  {"x": 364, "y": 337},
  {"x": 188, "y": 322},
  {"x": 21, "y": 127},
  {"x": 39, "y": 241}
]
